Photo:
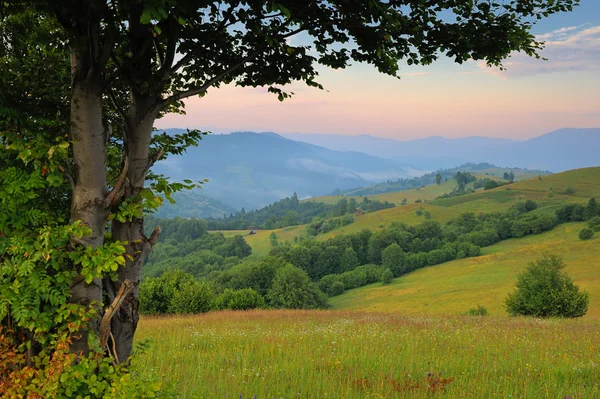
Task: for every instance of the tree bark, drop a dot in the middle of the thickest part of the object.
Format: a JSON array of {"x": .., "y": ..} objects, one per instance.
[
  {"x": 141, "y": 117},
  {"x": 87, "y": 134}
]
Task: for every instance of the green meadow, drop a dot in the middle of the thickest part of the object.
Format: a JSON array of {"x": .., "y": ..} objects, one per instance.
[
  {"x": 335, "y": 354},
  {"x": 549, "y": 192},
  {"x": 455, "y": 287},
  {"x": 409, "y": 338}
]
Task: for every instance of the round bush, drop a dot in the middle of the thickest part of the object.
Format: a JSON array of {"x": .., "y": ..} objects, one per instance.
[
  {"x": 586, "y": 234},
  {"x": 387, "y": 276},
  {"x": 544, "y": 290}
]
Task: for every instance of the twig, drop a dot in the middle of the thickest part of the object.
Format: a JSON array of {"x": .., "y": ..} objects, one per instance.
[
  {"x": 112, "y": 197},
  {"x": 105, "y": 332}
]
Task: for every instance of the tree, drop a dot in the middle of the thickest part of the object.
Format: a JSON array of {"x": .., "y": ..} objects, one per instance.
[
  {"x": 387, "y": 276},
  {"x": 349, "y": 260},
  {"x": 438, "y": 178},
  {"x": 131, "y": 62},
  {"x": 292, "y": 289},
  {"x": 592, "y": 210},
  {"x": 544, "y": 290},
  {"x": 273, "y": 239},
  {"x": 586, "y": 234},
  {"x": 394, "y": 259},
  {"x": 594, "y": 223}
]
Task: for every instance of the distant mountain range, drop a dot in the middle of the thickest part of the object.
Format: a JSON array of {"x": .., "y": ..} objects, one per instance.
[
  {"x": 557, "y": 151},
  {"x": 252, "y": 170}
]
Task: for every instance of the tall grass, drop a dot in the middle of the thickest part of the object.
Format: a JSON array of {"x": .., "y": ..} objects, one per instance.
[{"x": 327, "y": 354}]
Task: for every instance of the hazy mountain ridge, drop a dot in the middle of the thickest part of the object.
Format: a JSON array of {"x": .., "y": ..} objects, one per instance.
[
  {"x": 251, "y": 170},
  {"x": 557, "y": 151}
]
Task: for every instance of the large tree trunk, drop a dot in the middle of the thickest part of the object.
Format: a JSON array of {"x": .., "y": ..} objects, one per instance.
[
  {"x": 88, "y": 137},
  {"x": 142, "y": 113}
]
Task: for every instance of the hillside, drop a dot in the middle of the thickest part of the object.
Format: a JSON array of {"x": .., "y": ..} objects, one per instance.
[
  {"x": 549, "y": 193},
  {"x": 557, "y": 151},
  {"x": 456, "y": 286},
  {"x": 252, "y": 170}
]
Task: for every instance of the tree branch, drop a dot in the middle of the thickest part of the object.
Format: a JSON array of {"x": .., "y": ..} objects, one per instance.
[
  {"x": 188, "y": 57},
  {"x": 210, "y": 82},
  {"x": 116, "y": 192},
  {"x": 167, "y": 62},
  {"x": 68, "y": 176},
  {"x": 154, "y": 236},
  {"x": 124, "y": 290}
]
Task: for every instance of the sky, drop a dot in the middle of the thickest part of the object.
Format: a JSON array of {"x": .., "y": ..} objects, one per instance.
[{"x": 530, "y": 98}]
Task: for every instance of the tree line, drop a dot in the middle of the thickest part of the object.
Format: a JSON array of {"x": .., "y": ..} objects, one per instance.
[
  {"x": 292, "y": 212},
  {"x": 221, "y": 270}
]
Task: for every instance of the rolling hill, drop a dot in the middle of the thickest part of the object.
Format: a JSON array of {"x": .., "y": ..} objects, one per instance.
[
  {"x": 549, "y": 193},
  {"x": 456, "y": 286},
  {"x": 252, "y": 170}
]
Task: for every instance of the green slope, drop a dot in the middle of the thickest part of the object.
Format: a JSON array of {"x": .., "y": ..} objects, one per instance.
[{"x": 456, "y": 286}]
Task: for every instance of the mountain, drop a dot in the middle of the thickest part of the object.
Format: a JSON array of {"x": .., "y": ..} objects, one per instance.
[
  {"x": 251, "y": 170},
  {"x": 194, "y": 204},
  {"x": 557, "y": 151}
]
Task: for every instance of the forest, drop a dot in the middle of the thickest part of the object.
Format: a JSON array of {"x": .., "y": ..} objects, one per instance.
[{"x": 191, "y": 270}]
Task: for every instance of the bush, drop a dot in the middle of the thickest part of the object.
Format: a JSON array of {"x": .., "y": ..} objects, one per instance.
[
  {"x": 544, "y": 290},
  {"x": 594, "y": 223},
  {"x": 337, "y": 288},
  {"x": 293, "y": 289},
  {"x": 387, "y": 276},
  {"x": 478, "y": 311},
  {"x": 586, "y": 234},
  {"x": 243, "y": 299},
  {"x": 192, "y": 297}
]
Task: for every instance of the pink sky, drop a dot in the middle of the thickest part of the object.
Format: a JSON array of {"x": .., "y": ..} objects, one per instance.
[{"x": 533, "y": 97}]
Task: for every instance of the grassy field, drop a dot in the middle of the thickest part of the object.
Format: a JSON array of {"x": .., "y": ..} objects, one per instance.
[
  {"x": 454, "y": 287},
  {"x": 549, "y": 192},
  {"x": 328, "y": 354},
  {"x": 425, "y": 193}
]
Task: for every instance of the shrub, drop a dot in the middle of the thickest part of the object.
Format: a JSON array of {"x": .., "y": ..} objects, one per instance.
[
  {"x": 192, "y": 297},
  {"x": 586, "y": 234},
  {"x": 478, "y": 311},
  {"x": 243, "y": 299},
  {"x": 544, "y": 290},
  {"x": 292, "y": 289},
  {"x": 394, "y": 259},
  {"x": 337, "y": 288},
  {"x": 387, "y": 276},
  {"x": 594, "y": 223}
]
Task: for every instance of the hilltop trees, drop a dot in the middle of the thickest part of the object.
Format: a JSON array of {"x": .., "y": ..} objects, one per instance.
[
  {"x": 544, "y": 290},
  {"x": 130, "y": 62}
]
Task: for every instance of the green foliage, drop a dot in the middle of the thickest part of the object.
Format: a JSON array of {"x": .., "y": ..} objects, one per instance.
[
  {"x": 592, "y": 209},
  {"x": 243, "y": 299},
  {"x": 594, "y": 223},
  {"x": 393, "y": 258},
  {"x": 545, "y": 290},
  {"x": 192, "y": 297},
  {"x": 273, "y": 239},
  {"x": 478, "y": 311},
  {"x": 387, "y": 276},
  {"x": 586, "y": 234},
  {"x": 349, "y": 260},
  {"x": 156, "y": 294},
  {"x": 293, "y": 289}
]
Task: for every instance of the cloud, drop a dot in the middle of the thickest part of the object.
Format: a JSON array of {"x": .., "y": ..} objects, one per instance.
[{"x": 567, "y": 49}]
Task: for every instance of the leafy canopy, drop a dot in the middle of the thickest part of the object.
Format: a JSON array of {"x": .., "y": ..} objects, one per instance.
[{"x": 545, "y": 290}]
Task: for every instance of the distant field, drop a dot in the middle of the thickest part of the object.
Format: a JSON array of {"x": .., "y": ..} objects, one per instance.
[
  {"x": 345, "y": 355},
  {"x": 429, "y": 192},
  {"x": 455, "y": 287},
  {"x": 583, "y": 182}
]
